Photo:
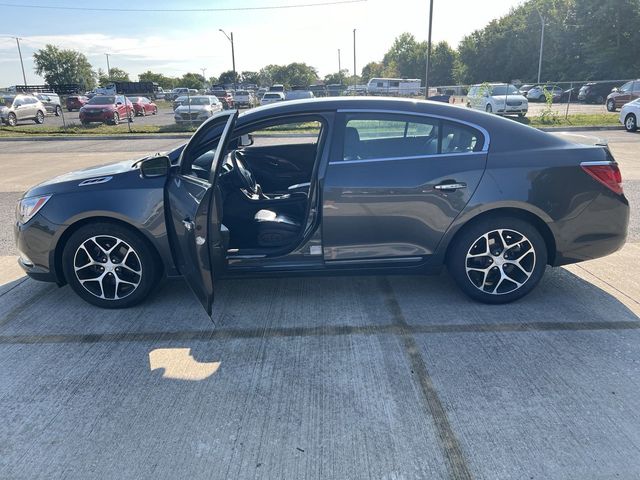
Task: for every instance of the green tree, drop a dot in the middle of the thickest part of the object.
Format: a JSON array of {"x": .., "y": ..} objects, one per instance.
[
  {"x": 228, "y": 77},
  {"x": 117, "y": 75},
  {"x": 443, "y": 59},
  {"x": 64, "y": 66},
  {"x": 191, "y": 80},
  {"x": 250, "y": 77},
  {"x": 162, "y": 80},
  {"x": 213, "y": 80},
  {"x": 338, "y": 78}
]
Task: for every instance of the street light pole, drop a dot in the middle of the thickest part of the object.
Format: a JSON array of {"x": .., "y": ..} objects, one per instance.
[
  {"x": 24, "y": 77},
  {"x": 204, "y": 79},
  {"x": 541, "y": 45},
  {"x": 108, "y": 67},
  {"x": 354, "y": 62},
  {"x": 426, "y": 75},
  {"x": 339, "y": 66},
  {"x": 233, "y": 56}
]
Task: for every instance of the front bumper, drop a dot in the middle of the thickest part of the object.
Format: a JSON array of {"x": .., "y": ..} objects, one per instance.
[
  {"x": 520, "y": 109},
  {"x": 96, "y": 117},
  {"x": 35, "y": 243}
]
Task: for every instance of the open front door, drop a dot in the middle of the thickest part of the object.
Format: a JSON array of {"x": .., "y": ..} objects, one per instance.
[{"x": 194, "y": 223}]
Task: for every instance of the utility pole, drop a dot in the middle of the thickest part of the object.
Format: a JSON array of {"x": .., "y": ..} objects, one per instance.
[
  {"x": 339, "y": 66},
  {"x": 203, "y": 76},
  {"x": 426, "y": 76},
  {"x": 233, "y": 56},
  {"x": 24, "y": 77},
  {"x": 108, "y": 67},
  {"x": 541, "y": 45},
  {"x": 354, "y": 62}
]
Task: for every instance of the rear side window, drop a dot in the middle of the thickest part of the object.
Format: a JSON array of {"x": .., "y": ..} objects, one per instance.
[{"x": 379, "y": 136}]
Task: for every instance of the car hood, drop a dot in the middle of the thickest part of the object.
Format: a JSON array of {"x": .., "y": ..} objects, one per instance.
[
  {"x": 99, "y": 107},
  {"x": 194, "y": 108},
  {"x": 104, "y": 176}
]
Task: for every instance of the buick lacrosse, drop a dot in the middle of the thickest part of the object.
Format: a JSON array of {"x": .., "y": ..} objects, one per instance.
[{"x": 330, "y": 186}]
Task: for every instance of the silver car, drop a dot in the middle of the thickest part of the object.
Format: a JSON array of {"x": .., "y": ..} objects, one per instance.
[
  {"x": 197, "y": 109},
  {"x": 51, "y": 102},
  {"x": 16, "y": 108}
]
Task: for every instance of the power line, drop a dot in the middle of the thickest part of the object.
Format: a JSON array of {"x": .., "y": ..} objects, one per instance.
[{"x": 174, "y": 10}]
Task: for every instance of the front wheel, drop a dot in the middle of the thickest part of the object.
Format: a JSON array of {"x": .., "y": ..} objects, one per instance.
[
  {"x": 489, "y": 108},
  {"x": 12, "y": 120},
  {"x": 631, "y": 123},
  {"x": 109, "y": 265},
  {"x": 116, "y": 118},
  {"x": 498, "y": 260}
]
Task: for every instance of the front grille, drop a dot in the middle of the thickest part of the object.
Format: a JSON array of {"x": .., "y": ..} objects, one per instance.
[
  {"x": 514, "y": 103},
  {"x": 187, "y": 116}
]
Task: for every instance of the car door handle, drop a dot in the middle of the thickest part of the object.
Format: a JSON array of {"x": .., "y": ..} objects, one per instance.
[
  {"x": 188, "y": 224},
  {"x": 450, "y": 186}
]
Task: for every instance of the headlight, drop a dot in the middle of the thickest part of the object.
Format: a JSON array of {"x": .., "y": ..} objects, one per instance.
[{"x": 28, "y": 207}]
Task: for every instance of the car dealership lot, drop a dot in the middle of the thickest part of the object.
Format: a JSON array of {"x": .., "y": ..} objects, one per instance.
[{"x": 368, "y": 377}]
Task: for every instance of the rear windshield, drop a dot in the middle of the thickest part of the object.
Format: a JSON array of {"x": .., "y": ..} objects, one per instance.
[
  {"x": 200, "y": 101},
  {"x": 103, "y": 100}
]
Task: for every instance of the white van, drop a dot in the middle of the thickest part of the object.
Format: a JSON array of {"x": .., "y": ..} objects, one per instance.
[{"x": 394, "y": 86}]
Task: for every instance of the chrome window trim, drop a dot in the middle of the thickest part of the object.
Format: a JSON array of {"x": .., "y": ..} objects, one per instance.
[
  {"x": 600, "y": 163},
  {"x": 485, "y": 133},
  {"x": 411, "y": 157}
]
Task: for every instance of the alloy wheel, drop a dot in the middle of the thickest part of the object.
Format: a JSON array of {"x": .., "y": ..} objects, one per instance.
[
  {"x": 500, "y": 261},
  {"x": 12, "y": 120},
  {"x": 630, "y": 123},
  {"x": 107, "y": 267}
]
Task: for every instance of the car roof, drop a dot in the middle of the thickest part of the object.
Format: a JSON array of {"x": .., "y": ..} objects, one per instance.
[{"x": 506, "y": 134}]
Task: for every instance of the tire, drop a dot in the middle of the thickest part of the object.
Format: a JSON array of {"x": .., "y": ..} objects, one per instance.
[
  {"x": 155, "y": 111},
  {"x": 131, "y": 262},
  {"x": 600, "y": 99},
  {"x": 12, "y": 120},
  {"x": 493, "y": 278},
  {"x": 39, "y": 117},
  {"x": 116, "y": 118},
  {"x": 488, "y": 108},
  {"x": 58, "y": 111},
  {"x": 631, "y": 123},
  {"x": 522, "y": 115},
  {"x": 611, "y": 105}
]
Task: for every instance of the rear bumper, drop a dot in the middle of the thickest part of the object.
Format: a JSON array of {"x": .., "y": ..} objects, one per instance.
[{"x": 601, "y": 229}]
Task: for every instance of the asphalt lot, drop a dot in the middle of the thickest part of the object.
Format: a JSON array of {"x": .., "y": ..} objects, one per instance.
[{"x": 325, "y": 378}]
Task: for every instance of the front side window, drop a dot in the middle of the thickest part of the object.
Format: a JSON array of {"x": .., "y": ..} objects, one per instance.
[
  {"x": 380, "y": 136},
  {"x": 626, "y": 87}
]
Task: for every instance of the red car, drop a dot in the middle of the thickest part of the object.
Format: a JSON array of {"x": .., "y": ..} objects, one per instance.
[
  {"x": 225, "y": 97},
  {"x": 76, "y": 102},
  {"x": 106, "y": 109},
  {"x": 143, "y": 106}
]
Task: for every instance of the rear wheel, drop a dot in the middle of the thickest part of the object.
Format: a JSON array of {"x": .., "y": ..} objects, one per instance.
[
  {"x": 489, "y": 108},
  {"x": 600, "y": 99},
  {"x": 498, "y": 260},
  {"x": 631, "y": 123},
  {"x": 611, "y": 105},
  {"x": 116, "y": 118},
  {"x": 39, "y": 117},
  {"x": 109, "y": 265},
  {"x": 58, "y": 110}
]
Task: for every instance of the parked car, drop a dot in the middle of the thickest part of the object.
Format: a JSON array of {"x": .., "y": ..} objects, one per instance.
[
  {"x": 497, "y": 98},
  {"x": 17, "y": 108},
  {"x": 570, "y": 94},
  {"x": 278, "y": 87},
  {"x": 244, "y": 98},
  {"x": 524, "y": 89},
  {"x": 197, "y": 109},
  {"x": 143, "y": 106},
  {"x": 271, "y": 97},
  {"x": 181, "y": 100},
  {"x": 225, "y": 97},
  {"x": 629, "y": 115},
  {"x": 595, "y": 92},
  {"x": 537, "y": 93},
  {"x": 76, "y": 102},
  {"x": 176, "y": 92},
  {"x": 51, "y": 102},
  {"x": 319, "y": 90},
  {"x": 106, "y": 109},
  {"x": 625, "y": 94},
  {"x": 298, "y": 94},
  {"x": 394, "y": 186}
]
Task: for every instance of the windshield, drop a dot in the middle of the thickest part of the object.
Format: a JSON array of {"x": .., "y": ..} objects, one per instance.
[
  {"x": 102, "y": 100},
  {"x": 242, "y": 92},
  {"x": 200, "y": 101},
  {"x": 271, "y": 95},
  {"x": 504, "y": 90}
]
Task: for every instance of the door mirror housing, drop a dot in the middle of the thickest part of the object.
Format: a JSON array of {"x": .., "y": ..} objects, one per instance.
[
  {"x": 614, "y": 89},
  {"x": 245, "y": 140},
  {"x": 155, "y": 167}
]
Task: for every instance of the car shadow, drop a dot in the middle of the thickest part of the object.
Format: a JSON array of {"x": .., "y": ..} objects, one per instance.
[{"x": 33, "y": 312}]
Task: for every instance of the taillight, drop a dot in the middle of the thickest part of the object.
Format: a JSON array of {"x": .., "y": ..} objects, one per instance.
[{"x": 606, "y": 173}]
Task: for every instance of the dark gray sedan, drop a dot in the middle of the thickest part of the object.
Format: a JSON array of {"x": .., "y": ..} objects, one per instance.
[{"x": 330, "y": 186}]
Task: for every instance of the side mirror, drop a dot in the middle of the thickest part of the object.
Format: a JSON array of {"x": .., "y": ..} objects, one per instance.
[
  {"x": 155, "y": 167},
  {"x": 614, "y": 89},
  {"x": 246, "y": 140},
  {"x": 118, "y": 103}
]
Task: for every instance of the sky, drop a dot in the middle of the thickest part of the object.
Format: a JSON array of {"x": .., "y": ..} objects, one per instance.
[{"x": 174, "y": 43}]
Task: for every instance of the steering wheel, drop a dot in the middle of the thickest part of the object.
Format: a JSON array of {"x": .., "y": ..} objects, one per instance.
[{"x": 244, "y": 175}]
